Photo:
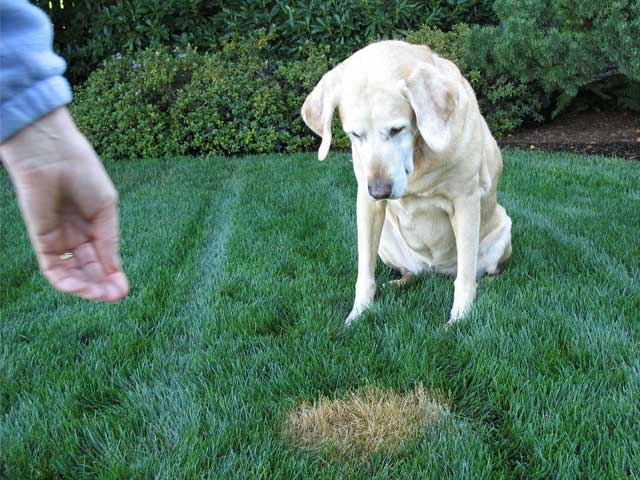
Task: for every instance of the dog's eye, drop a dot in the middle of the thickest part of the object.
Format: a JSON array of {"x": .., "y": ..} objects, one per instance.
[
  {"x": 395, "y": 130},
  {"x": 355, "y": 135}
]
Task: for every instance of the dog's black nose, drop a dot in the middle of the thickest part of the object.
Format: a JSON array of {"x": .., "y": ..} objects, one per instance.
[{"x": 379, "y": 189}]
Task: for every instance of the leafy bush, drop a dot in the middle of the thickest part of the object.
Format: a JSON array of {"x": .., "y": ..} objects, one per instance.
[
  {"x": 345, "y": 25},
  {"x": 124, "y": 108},
  {"x": 235, "y": 104},
  {"x": 506, "y": 104},
  {"x": 543, "y": 55},
  {"x": 241, "y": 101},
  {"x": 451, "y": 45},
  {"x": 559, "y": 48},
  {"x": 160, "y": 102},
  {"x": 87, "y": 32},
  {"x": 614, "y": 90}
]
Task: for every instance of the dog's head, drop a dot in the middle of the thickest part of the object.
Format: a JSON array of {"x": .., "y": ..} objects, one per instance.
[{"x": 388, "y": 95}]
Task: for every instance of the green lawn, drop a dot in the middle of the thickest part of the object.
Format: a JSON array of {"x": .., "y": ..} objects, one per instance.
[{"x": 242, "y": 272}]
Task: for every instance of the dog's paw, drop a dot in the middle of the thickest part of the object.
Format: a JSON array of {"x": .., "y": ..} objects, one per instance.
[
  {"x": 462, "y": 300},
  {"x": 456, "y": 315},
  {"x": 356, "y": 311},
  {"x": 365, "y": 292},
  {"x": 351, "y": 317},
  {"x": 459, "y": 311}
]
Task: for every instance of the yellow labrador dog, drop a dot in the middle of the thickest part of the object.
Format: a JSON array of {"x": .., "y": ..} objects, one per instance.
[{"x": 426, "y": 164}]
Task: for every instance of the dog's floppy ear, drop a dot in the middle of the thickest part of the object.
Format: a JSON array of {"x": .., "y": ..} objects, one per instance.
[
  {"x": 318, "y": 108},
  {"x": 434, "y": 99}
]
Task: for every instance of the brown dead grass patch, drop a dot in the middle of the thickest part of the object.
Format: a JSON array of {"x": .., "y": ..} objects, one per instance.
[{"x": 368, "y": 420}]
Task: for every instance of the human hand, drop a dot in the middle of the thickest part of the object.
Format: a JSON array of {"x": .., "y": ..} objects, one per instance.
[{"x": 69, "y": 205}]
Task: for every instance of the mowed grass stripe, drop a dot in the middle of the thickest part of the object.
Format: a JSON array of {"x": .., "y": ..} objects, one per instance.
[
  {"x": 581, "y": 194},
  {"x": 19, "y": 265},
  {"x": 165, "y": 392},
  {"x": 125, "y": 330},
  {"x": 278, "y": 246},
  {"x": 163, "y": 389},
  {"x": 222, "y": 428},
  {"x": 154, "y": 198},
  {"x": 586, "y": 257},
  {"x": 541, "y": 379}
]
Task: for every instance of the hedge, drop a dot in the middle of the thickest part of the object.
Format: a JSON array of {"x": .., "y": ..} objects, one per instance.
[
  {"x": 88, "y": 32},
  {"x": 244, "y": 99},
  {"x": 160, "y": 102}
]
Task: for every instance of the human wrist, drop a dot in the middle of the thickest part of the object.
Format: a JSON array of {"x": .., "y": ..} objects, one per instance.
[{"x": 44, "y": 142}]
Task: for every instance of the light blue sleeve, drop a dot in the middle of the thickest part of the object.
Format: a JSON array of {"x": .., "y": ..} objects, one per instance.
[{"x": 31, "y": 81}]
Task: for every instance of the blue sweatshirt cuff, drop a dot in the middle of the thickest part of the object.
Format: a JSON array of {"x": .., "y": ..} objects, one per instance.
[
  {"x": 29, "y": 105},
  {"x": 31, "y": 82}
]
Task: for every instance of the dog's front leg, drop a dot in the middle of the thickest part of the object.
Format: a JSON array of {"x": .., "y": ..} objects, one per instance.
[
  {"x": 370, "y": 218},
  {"x": 466, "y": 227}
]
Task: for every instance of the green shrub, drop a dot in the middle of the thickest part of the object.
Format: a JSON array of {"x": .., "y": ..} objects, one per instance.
[
  {"x": 87, "y": 32},
  {"x": 451, "y": 45},
  {"x": 240, "y": 101},
  {"x": 613, "y": 91},
  {"x": 229, "y": 106},
  {"x": 506, "y": 104},
  {"x": 124, "y": 108},
  {"x": 345, "y": 25},
  {"x": 560, "y": 48},
  {"x": 158, "y": 102},
  {"x": 300, "y": 77},
  {"x": 543, "y": 55}
]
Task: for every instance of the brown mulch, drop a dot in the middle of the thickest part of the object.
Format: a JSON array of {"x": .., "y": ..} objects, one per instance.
[{"x": 609, "y": 133}]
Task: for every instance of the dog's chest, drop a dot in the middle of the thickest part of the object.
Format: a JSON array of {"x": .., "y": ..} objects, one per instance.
[{"x": 424, "y": 222}]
